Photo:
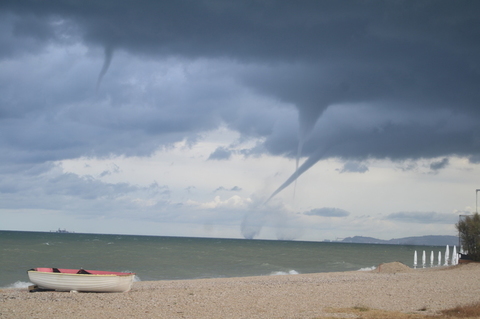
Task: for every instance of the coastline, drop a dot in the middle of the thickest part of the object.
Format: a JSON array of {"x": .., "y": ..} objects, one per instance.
[{"x": 392, "y": 287}]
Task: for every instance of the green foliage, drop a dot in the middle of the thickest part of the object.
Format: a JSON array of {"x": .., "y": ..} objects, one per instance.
[{"x": 469, "y": 232}]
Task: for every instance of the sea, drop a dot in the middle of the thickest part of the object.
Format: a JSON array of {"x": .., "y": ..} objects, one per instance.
[{"x": 177, "y": 258}]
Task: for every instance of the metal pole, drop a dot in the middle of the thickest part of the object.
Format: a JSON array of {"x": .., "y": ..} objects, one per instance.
[{"x": 476, "y": 200}]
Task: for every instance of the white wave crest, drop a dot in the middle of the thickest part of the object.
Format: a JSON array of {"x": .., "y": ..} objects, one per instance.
[
  {"x": 19, "y": 284},
  {"x": 281, "y": 273},
  {"x": 135, "y": 278},
  {"x": 367, "y": 268}
]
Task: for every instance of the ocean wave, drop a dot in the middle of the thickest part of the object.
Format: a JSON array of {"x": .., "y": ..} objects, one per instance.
[
  {"x": 135, "y": 278},
  {"x": 367, "y": 268},
  {"x": 19, "y": 284},
  {"x": 281, "y": 273}
]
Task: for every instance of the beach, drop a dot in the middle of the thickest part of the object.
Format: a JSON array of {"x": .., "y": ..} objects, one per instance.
[{"x": 392, "y": 286}]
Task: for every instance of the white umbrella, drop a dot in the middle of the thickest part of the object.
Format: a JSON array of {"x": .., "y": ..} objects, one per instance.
[
  {"x": 431, "y": 259},
  {"x": 415, "y": 259},
  {"x": 454, "y": 256},
  {"x": 447, "y": 256},
  {"x": 439, "y": 258},
  {"x": 424, "y": 259}
]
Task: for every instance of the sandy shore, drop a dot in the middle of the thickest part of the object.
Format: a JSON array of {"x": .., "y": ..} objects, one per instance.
[{"x": 393, "y": 287}]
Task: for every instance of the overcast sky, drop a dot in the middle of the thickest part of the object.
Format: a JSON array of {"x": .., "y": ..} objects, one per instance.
[{"x": 303, "y": 120}]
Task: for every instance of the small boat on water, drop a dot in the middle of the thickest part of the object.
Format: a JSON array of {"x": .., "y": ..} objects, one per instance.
[{"x": 81, "y": 280}]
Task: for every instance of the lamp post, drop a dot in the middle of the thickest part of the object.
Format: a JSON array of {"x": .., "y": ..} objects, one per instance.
[{"x": 476, "y": 200}]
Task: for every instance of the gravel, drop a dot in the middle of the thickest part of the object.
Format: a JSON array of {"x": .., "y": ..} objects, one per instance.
[{"x": 391, "y": 286}]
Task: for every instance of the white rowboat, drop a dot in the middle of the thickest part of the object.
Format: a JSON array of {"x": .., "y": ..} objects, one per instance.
[{"x": 81, "y": 280}]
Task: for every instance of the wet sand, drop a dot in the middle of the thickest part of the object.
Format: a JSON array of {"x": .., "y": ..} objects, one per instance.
[{"x": 392, "y": 286}]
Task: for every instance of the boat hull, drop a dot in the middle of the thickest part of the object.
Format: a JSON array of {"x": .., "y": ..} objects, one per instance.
[{"x": 70, "y": 280}]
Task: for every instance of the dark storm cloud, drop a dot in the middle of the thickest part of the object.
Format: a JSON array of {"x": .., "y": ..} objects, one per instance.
[
  {"x": 435, "y": 166},
  {"x": 233, "y": 189},
  {"x": 422, "y": 217},
  {"x": 221, "y": 153},
  {"x": 370, "y": 79},
  {"x": 354, "y": 167},
  {"x": 47, "y": 187},
  {"x": 327, "y": 212}
]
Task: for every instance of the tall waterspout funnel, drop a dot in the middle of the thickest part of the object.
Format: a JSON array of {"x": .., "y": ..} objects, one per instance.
[
  {"x": 454, "y": 256},
  {"x": 431, "y": 259},
  {"x": 439, "y": 258},
  {"x": 447, "y": 255},
  {"x": 415, "y": 260},
  {"x": 424, "y": 259}
]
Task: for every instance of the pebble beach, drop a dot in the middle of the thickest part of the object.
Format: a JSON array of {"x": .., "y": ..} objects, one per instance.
[{"x": 392, "y": 286}]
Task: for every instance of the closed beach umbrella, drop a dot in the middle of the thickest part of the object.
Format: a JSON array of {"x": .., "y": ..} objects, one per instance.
[
  {"x": 424, "y": 259},
  {"x": 415, "y": 259},
  {"x": 454, "y": 256},
  {"x": 439, "y": 258},
  {"x": 431, "y": 259},
  {"x": 447, "y": 255}
]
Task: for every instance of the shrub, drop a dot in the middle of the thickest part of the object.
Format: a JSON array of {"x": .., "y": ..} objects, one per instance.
[{"x": 469, "y": 232}]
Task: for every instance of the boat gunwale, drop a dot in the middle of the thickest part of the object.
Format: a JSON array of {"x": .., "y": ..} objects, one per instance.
[{"x": 63, "y": 273}]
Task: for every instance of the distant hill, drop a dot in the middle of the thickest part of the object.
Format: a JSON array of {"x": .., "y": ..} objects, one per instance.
[{"x": 431, "y": 240}]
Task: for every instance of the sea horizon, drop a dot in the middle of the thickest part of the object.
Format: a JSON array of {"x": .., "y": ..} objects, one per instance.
[{"x": 65, "y": 231}]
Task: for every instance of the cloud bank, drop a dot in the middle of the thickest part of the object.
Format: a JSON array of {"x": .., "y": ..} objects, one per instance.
[{"x": 307, "y": 80}]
